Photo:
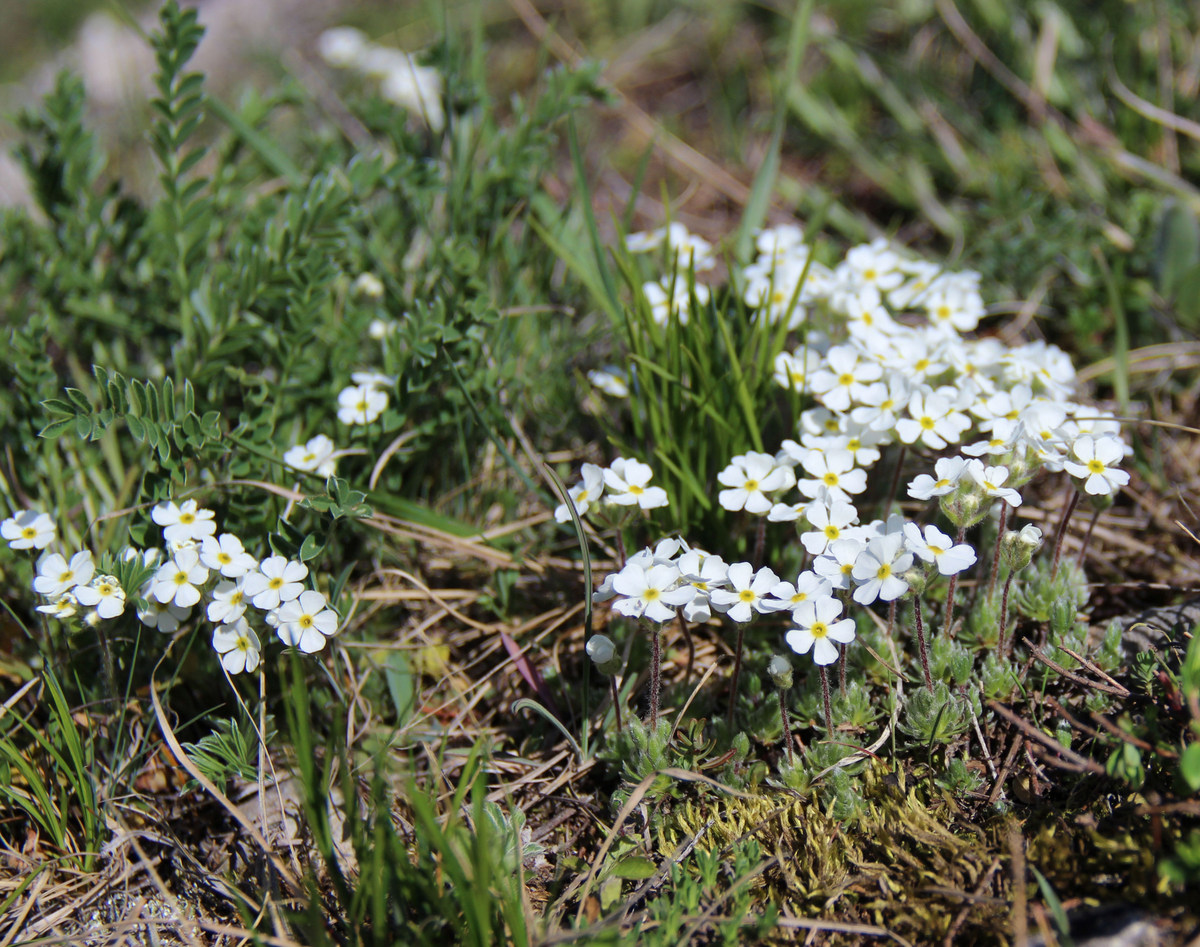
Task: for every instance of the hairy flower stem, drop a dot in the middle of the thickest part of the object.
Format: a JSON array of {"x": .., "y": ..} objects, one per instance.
[
  {"x": 1087, "y": 538},
  {"x": 1062, "y": 532},
  {"x": 110, "y": 667},
  {"x": 949, "y": 626},
  {"x": 1004, "y": 614},
  {"x": 895, "y": 481},
  {"x": 760, "y": 542},
  {"x": 691, "y": 645},
  {"x": 921, "y": 642},
  {"x": 996, "y": 554},
  {"x": 842, "y": 669},
  {"x": 787, "y": 727},
  {"x": 737, "y": 670},
  {"x": 655, "y": 673},
  {"x": 828, "y": 706},
  {"x": 616, "y": 699},
  {"x": 621, "y": 557}
]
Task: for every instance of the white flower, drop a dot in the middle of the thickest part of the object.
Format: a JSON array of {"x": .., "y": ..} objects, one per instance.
[
  {"x": 991, "y": 479},
  {"x": 748, "y": 593},
  {"x": 934, "y": 421},
  {"x": 933, "y": 545},
  {"x": 828, "y": 523},
  {"x": 226, "y": 555},
  {"x": 653, "y": 592},
  {"x": 238, "y": 646},
  {"x": 361, "y": 404},
  {"x": 627, "y": 480},
  {"x": 56, "y": 576},
  {"x": 836, "y": 564},
  {"x": 817, "y": 631},
  {"x": 315, "y": 455},
  {"x": 277, "y": 580},
  {"x": 184, "y": 523},
  {"x": 62, "y": 607},
  {"x": 674, "y": 300},
  {"x": 949, "y": 472},
  {"x": 28, "y": 529},
  {"x": 164, "y": 617},
  {"x": 750, "y": 477},
  {"x": 178, "y": 579},
  {"x": 879, "y": 568},
  {"x": 306, "y": 621},
  {"x": 104, "y": 593},
  {"x": 844, "y": 378},
  {"x": 228, "y": 602},
  {"x": 834, "y": 472},
  {"x": 785, "y": 595},
  {"x": 583, "y": 495},
  {"x": 1097, "y": 455}
]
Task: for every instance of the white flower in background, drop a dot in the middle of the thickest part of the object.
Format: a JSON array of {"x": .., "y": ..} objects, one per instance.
[
  {"x": 626, "y": 480},
  {"x": 583, "y": 495},
  {"x": 749, "y": 478},
  {"x": 932, "y": 545},
  {"x": 953, "y": 307},
  {"x": 368, "y": 285},
  {"x": 306, "y": 621},
  {"x": 277, "y": 580},
  {"x": 415, "y": 88},
  {"x": 164, "y": 617},
  {"x": 380, "y": 329},
  {"x": 652, "y": 592},
  {"x": 774, "y": 243},
  {"x": 792, "y": 369},
  {"x": 1097, "y": 456},
  {"x": 361, "y": 404},
  {"x": 703, "y": 573},
  {"x": 104, "y": 593},
  {"x": 226, "y": 556},
  {"x": 674, "y": 300},
  {"x": 178, "y": 580},
  {"x": 875, "y": 265},
  {"x": 315, "y": 455},
  {"x": 817, "y": 631},
  {"x": 747, "y": 594},
  {"x": 56, "y": 576},
  {"x": 184, "y": 523},
  {"x": 342, "y": 46},
  {"x": 238, "y": 646},
  {"x": 28, "y": 529},
  {"x": 373, "y": 379},
  {"x": 688, "y": 250},
  {"x": 612, "y": 381}
]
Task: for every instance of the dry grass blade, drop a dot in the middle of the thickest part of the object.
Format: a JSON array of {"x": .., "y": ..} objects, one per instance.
[{"x": 193, "y": 770}]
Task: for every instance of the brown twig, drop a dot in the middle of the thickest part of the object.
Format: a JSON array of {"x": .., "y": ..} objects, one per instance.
[
  {"x": 974, "y": 898},
  {"x": 1045, "y": 740},
  {"x": 1116, "y": 690}
]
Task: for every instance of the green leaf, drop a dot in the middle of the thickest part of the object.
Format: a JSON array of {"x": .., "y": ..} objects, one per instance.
[
  {"x": 56, "y": 428},
  {"x": 1176, "y": 247},
  {"x": 1189, "y": 766},
  {"x": 633, "y": 868},
  {"x": 311, "y": 548}
]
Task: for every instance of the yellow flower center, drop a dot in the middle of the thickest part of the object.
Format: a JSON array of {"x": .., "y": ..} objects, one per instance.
[
  {"x": 651, "y": 594},
  {"x": 747, "y": 595},
  {"x": 819, "y": 629},
  {"x": 28, "y": 532},
  {"x": 187, "y": 519},
  {"x": 305, "y": 621},
  {"x": 830, "y": 479},
  {"x": 750, "y": 486},
  {"x": 1095, "y": 467},
  {"x": 927, "y": 423},
  {"x": 276, "y": 583},
  {"x": 845, "y": 379},
  {"x": 883, "y": 572},
  {"x": 832, "y": 532},
  {"x": 636, "y": 490}
]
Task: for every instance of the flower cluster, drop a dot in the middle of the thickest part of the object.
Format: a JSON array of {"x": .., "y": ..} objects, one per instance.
[
  {"x": 196, "y": 566},
  {"x": 402, "y": 80},
  {"x": 883, "y": 361}
]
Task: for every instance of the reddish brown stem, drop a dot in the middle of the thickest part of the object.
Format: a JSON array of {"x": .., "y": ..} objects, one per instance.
[
  {"x": 921, "y": 642},
  {"x": 1062, "y": 532},
  {"x": 996, "y": 553},
  {"x": 828, "y": 705}
]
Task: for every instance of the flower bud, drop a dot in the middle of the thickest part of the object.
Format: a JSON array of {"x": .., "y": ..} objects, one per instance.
[
  {"x": 1017, "y": 548},
  {"x": 964, "y": 507},
  {"x": 916, "y": 579},
  {"x": 603, "y": 654},
  {"x": 780, "y": 672}
]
